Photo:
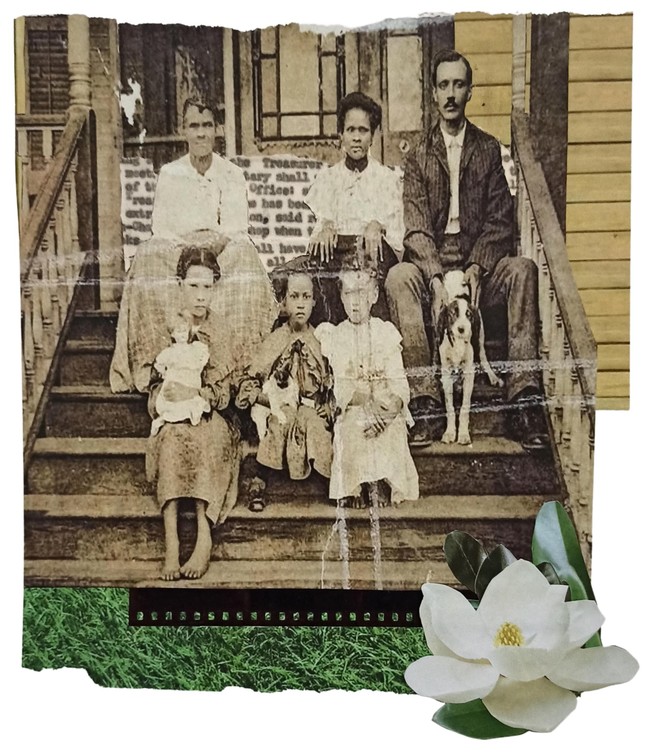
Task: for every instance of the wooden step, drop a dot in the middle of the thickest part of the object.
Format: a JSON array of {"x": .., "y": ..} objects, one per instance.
[
  {"x": 94, "y": 411},
  {"x": 117, "y": 466},
  {"x": 93, "y": 325},
  {"x": 242, "y": 574},
  {"x": 123, "y": 528},
  {"x": 86, "y": 362}
]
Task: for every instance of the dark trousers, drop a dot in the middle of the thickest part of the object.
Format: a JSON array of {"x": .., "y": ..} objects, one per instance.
[{"x": 513, "y": 284}]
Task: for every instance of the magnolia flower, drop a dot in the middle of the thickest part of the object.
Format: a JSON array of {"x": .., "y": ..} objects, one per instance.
[{"x": 520, "y": 652}]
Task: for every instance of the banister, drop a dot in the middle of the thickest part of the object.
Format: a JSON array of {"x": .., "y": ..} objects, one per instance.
[
  {"x": 581, "y": 340},
  {"x": 37, "y": 221}
]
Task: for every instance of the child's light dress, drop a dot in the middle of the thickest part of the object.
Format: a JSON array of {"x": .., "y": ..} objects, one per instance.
[
  {"x": 367, "y": 357},
  {"x": 181, "y": 363}
]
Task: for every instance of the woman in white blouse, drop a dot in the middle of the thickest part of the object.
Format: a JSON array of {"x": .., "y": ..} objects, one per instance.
[
  {"x": 200, "y": 198},
  {"x": 358, "y": 208}
]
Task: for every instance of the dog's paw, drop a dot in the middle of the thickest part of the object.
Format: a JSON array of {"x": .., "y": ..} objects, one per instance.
[
  {"x": 464, "y": 438},
  {"x": 449, "y": 436},
  {"x": 495, "y": 380}
]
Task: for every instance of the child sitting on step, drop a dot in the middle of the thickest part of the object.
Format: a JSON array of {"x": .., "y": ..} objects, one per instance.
[
  {"x": 293, "y": 408},
  {"x": 371, "y": 464}
]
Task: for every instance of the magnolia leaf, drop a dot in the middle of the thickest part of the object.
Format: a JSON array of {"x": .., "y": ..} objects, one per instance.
[
  {"x": 493, "y": 565},
  {"x": 554, "y": 540},
  {"x": 464, "y": 555},
  {"x": 549, "y": 572},
  {"x": 473, "y": 720}
]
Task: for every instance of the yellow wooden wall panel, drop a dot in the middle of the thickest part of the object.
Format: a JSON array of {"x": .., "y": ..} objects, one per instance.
[
  {"x": 612, "y": 402},
  {"x": 610, "y": 329},
  {"x": 498, "y": 125},
  {"x": 483, "y": 35},
  {"x": 613, "y": 383},
  {"x": 600, "y": 245},
  {"x": 598, "y": 187},
  {"x": 601, "y": 127},
  {"x": 600, "y": 32},
  {"x": 591, "y": 96},
  {"x": 490, "y": 100},
  {"x": 602, "y": 274},
  {"x": 492, "y": 68},
  {"x": 598, "y": 216},
  {"x": 600, "y": 65},
  {"x": 614, "y": 356},
  {"x": 606, "y": 301},
  {"x": 599, "y": 158}
]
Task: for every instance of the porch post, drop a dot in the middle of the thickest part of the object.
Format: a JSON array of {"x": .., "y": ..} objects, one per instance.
[
  {"x": 519, "y": 27},
  {"x": 79, "y": 64}
]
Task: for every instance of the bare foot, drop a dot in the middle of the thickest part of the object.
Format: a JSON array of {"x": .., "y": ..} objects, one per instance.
[
  {"x": 171, "y": 570},
  {"x": 198, "y": 562}
]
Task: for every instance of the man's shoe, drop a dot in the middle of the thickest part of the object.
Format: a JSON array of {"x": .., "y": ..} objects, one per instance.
[
  {"x": 428, "y": 421},
  {"x": 528, "y": 424}
]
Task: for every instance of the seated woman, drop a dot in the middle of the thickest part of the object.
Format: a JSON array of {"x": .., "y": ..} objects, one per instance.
[
  {"x": 200, "y": 198},
  {"x": 197, "y": 461},
  {"x": 358, "y": 207}
]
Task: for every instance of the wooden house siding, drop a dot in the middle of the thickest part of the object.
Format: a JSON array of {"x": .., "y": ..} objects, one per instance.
[{"x": 598, "y": 158}]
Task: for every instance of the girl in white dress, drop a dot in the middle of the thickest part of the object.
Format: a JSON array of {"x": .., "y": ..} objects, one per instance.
[{"x": 371, "y": 459}]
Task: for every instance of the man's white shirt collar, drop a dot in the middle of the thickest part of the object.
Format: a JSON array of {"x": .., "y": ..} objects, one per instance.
[{"x": 453, "y": 141}]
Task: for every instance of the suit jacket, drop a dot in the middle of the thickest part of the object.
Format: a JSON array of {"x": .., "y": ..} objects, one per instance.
[{"x": 485, "y": 204}]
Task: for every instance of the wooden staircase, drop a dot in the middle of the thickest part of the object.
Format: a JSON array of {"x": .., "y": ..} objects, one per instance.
[{"x": 91, "y": 517}]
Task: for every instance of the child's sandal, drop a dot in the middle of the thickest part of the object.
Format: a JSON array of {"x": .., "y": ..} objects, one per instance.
[{"x": 256, "y": 498}]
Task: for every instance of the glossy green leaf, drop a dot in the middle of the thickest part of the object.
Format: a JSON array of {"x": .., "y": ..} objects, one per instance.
[
  {"x": 549, "y": 572},
  {"x": 493, "y": 565},
  {"x": 464, "y": 555},
  {"x": 555, "y": 541},
  {"x": 473, "y": 720}
]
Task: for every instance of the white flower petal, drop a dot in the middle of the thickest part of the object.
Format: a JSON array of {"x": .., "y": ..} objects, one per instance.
[
  {"x": 584, "y": 620},
  {"x": 455, "y": 622},
  {"x": 435, "y": 645},
  {"x": 520, "y": 594},
  {"x": 450, "y": 680},
  {"x": 593, "y": 668},
  {"x": 524, "y": 663},
  {"x": 538, "y": 705}
]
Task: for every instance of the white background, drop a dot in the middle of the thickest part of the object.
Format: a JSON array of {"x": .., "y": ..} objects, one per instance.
[{"x": 63, "y": 710}]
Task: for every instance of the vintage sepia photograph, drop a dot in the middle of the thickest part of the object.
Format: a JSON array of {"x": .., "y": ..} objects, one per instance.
[{"x": 297, "y": 302}]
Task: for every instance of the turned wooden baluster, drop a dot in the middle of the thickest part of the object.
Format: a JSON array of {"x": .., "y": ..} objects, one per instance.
[
  {"x": 24, "y": 163},
  {"x": 575, "y": 455},
  {"x": 566, "y": 393},
  {"x": 29, "y": 356},
  {"x": 73, "y": 258},
  {"x": 557, "y": 357}
]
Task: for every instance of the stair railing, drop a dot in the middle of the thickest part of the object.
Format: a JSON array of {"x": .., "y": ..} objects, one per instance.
[
  {"x": 58, "y": 239},
  {"x": 568, "y": 348}
]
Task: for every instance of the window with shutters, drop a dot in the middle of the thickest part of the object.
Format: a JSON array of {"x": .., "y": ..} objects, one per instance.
[
  {"x": 47, "y": 64},
  {"x": 298, "y": 79}
]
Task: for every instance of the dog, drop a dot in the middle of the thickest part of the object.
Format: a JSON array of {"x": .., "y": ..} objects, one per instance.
[
  {"x": 280, "y": 388},
  {"x": 460, "y": 334}
]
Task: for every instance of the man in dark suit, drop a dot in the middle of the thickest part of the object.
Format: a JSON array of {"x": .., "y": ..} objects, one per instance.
[{"x": 459, "y": 215}]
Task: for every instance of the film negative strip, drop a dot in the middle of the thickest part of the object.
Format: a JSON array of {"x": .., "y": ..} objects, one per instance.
[{"x": 273, "y": 607}]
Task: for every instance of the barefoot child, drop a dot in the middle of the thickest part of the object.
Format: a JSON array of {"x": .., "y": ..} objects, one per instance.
[
  {"x": 196, "y": 462},
  {"x": 292, "y": 412},
  {"x": 371, "y": 461}
]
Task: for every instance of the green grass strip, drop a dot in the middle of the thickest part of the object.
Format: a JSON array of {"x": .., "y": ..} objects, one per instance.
[{"x": 87, "y": 628}]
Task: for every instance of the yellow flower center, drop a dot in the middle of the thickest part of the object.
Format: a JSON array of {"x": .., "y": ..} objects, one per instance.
[{"x": 509, "y": 634}]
